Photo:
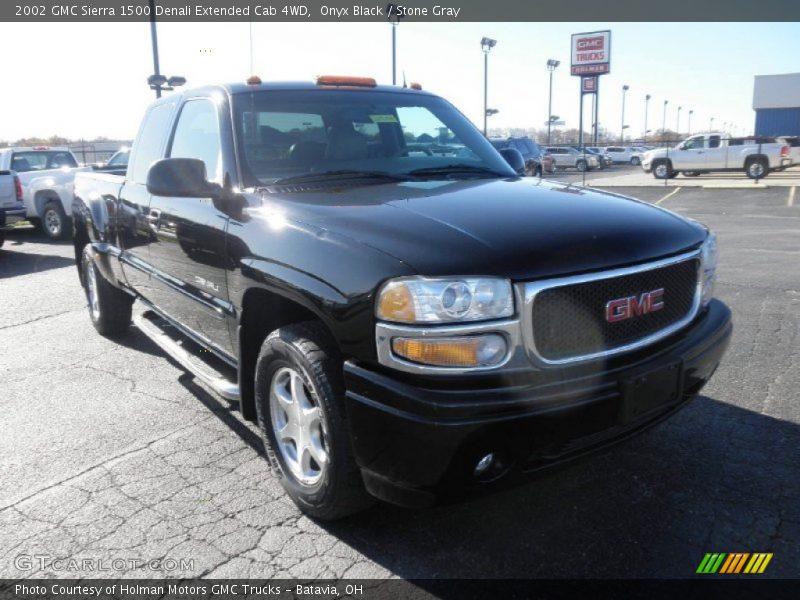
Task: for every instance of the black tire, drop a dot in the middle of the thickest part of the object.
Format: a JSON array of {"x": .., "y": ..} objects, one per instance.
[
  {"x": 691, "y": 173},
  {"x": 662, "y": 169},
  {"x": 2, "y": 239},
  {"x": 537, "y": 172},
  {"x": 756, "y": 168},
  {"x": 635, "y": 161},
  {"x": 305, "y": 349},
  {"x": 111, "y": 313},
  {"x": 581, "y": 165},
  {"x": 55, "y": 223}
]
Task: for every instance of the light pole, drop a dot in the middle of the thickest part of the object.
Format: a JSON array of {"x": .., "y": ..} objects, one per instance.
[
  {"x": 711, "y": 124},
  {"x": 646, "y": 105},
  {"x": 154, "y": 42},
  {"x": 689, "y": 126},
  {"x": 678, "y": 122},
  {"x": 664, "y": 122},
  {"x": 393, "y": 14},
  {"x": 486, "y": 45},
  {"x": 625, "y": 89},
  {"x": 551, "y": 66}
]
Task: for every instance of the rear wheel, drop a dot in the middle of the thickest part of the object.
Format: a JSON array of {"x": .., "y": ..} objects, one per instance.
[
  {"x": 635, "y": 161},
  {"x": 663, "y": 170},
  {"x": 756, "y": 168},
  {"x": 581, "y": 165},
  {"x": 54, "y": 221},
  {"x": 109, "y": 307},
  {"x": 299, "y": 400}
]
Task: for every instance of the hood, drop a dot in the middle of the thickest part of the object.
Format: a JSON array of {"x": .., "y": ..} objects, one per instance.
[{"x": 521, "y": 229}]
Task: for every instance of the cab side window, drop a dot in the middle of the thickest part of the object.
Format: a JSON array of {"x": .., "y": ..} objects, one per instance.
[
  {"x": 694, "y": 143},
  {"x": 149, "y": 143},
  {"x": 197, "y": 135},
  {"x": 713, "y": 141}
]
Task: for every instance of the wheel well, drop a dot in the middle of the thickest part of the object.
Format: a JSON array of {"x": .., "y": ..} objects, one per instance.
[
  {"x": 262, "y": 313},
  {"x": 42, "y": 197},
  {"x": 754, "y": 157}
]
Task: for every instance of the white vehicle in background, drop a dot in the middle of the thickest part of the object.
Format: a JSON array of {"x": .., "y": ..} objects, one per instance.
[
  {"x": 47, "y": 175},
  {"x": 12, "y": 210},
  {"x": 622, "y": 154},
  {"x": 708, "y": 152}
]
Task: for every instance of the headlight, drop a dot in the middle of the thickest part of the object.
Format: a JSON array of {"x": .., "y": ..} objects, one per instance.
[
  {"x": 422, "y": 300},
  {"x": 708, "y": 258}
]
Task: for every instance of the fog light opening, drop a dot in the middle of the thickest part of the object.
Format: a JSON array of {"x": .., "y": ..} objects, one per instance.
[{"x": 484, "y": 464}]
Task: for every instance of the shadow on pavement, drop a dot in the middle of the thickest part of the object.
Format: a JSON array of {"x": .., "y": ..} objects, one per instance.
[
  {"x": 17, "y": 263},
  {"x": 713, "y": 478}
]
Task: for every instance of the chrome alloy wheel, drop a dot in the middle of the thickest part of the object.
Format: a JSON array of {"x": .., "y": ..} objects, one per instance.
[
  {"x": 91, "y": 287},
  {"x": 661, "y": 170},
  {"x": 298, "y": 425},
  {"x": 52, "y": 221}
]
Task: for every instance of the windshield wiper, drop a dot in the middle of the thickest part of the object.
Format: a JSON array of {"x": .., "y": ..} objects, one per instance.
[
  {"x": 342, "y": 174},
  {"x": 455, "y": 169}
]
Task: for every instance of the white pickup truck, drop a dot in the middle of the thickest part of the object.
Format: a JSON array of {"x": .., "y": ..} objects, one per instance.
[
  {"x": 708, "y": 152},
  {"x": 47, "y": 175},
  {"x": 11, "y": 208}
]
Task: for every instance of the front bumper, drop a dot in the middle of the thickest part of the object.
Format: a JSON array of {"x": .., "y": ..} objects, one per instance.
[
  {"x": 418, "y": 440},
  {"x": 10, "y": 217}
]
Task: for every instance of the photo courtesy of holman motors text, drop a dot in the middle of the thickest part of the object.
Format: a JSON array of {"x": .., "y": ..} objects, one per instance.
[{"x": 419, "y": 299}]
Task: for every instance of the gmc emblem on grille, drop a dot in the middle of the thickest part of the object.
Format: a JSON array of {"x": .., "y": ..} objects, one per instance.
[{"x": 633, "y": 306}]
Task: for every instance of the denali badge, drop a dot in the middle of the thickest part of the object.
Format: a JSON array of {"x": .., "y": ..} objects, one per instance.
[{"x": 625, "y": 308}]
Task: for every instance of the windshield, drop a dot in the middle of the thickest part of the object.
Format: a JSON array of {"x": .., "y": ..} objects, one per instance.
[{"x": 283, "y": 134}]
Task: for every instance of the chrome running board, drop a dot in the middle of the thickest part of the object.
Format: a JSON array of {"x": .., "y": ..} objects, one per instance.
[{"x": 154, "y": 327}]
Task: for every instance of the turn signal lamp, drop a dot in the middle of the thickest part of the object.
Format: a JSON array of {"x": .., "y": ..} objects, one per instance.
[{"x": 472, "y": 351}]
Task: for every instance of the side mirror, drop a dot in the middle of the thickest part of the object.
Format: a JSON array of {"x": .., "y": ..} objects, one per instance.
[
  {"x": 181, "y": 178},
  {"x": 514, "y": 159}
]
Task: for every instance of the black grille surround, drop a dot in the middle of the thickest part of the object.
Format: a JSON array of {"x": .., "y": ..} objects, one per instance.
[{"x": 568, "y": 319}]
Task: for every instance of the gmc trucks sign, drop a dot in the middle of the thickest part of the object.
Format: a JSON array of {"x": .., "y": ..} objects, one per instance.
[{"x": 591, "y": 53}]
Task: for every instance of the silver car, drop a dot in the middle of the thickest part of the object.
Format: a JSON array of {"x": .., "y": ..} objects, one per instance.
[{"x": 570, "y": 158}]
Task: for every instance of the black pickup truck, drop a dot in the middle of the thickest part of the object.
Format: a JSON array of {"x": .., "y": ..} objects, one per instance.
[{"x": 371, "y": 281}]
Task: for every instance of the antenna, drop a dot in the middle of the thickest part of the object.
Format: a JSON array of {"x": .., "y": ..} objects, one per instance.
[
  {"x": 251, "y": 48},
  {"x": 404, "y": 79}
]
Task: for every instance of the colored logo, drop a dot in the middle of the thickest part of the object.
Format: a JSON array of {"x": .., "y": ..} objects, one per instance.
[{"x": 734, "y": 563}]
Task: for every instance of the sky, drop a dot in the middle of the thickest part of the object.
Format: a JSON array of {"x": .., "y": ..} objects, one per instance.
[{"x": 85, "y": 80}]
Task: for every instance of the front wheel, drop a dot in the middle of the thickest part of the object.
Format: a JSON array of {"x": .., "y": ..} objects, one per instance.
[
  {"x": 299, "y": 400},
  {"x": 757, "y": 169},
  {"x": 54, "y": 221},
  {"x": 109, "y": 307},
  {"x": 663, "y": 170},
  {"x": 581, "y": 165},
  {"x": 636, "y": 161}
]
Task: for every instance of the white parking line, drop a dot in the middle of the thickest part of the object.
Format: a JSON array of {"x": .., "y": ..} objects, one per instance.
[
  {"x": 670, "y": 195},
  {"x": 790, "y": 201}
]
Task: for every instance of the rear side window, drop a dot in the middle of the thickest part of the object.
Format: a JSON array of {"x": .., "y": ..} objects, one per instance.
[
  {"x": 149, "y": 144},
  {"x": 197, "y": 136},
  {"x": 40, "y": 160}
]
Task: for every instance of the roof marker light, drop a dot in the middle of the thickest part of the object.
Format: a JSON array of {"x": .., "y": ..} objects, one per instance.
[{"x": 345, "y": 80}]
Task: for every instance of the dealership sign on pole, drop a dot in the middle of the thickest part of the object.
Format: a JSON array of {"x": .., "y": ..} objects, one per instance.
[
  {"x": 591, "y": 57},
  {"x": 591, "y": 53}
]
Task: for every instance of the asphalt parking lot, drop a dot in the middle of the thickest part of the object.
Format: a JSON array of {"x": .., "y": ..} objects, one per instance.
[{"x": 111, "y": 451}]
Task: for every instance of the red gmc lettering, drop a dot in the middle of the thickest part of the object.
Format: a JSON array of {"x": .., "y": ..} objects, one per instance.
[
  {"x": 625, "y": 308},
  {"x": 584, "y": 56}
]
